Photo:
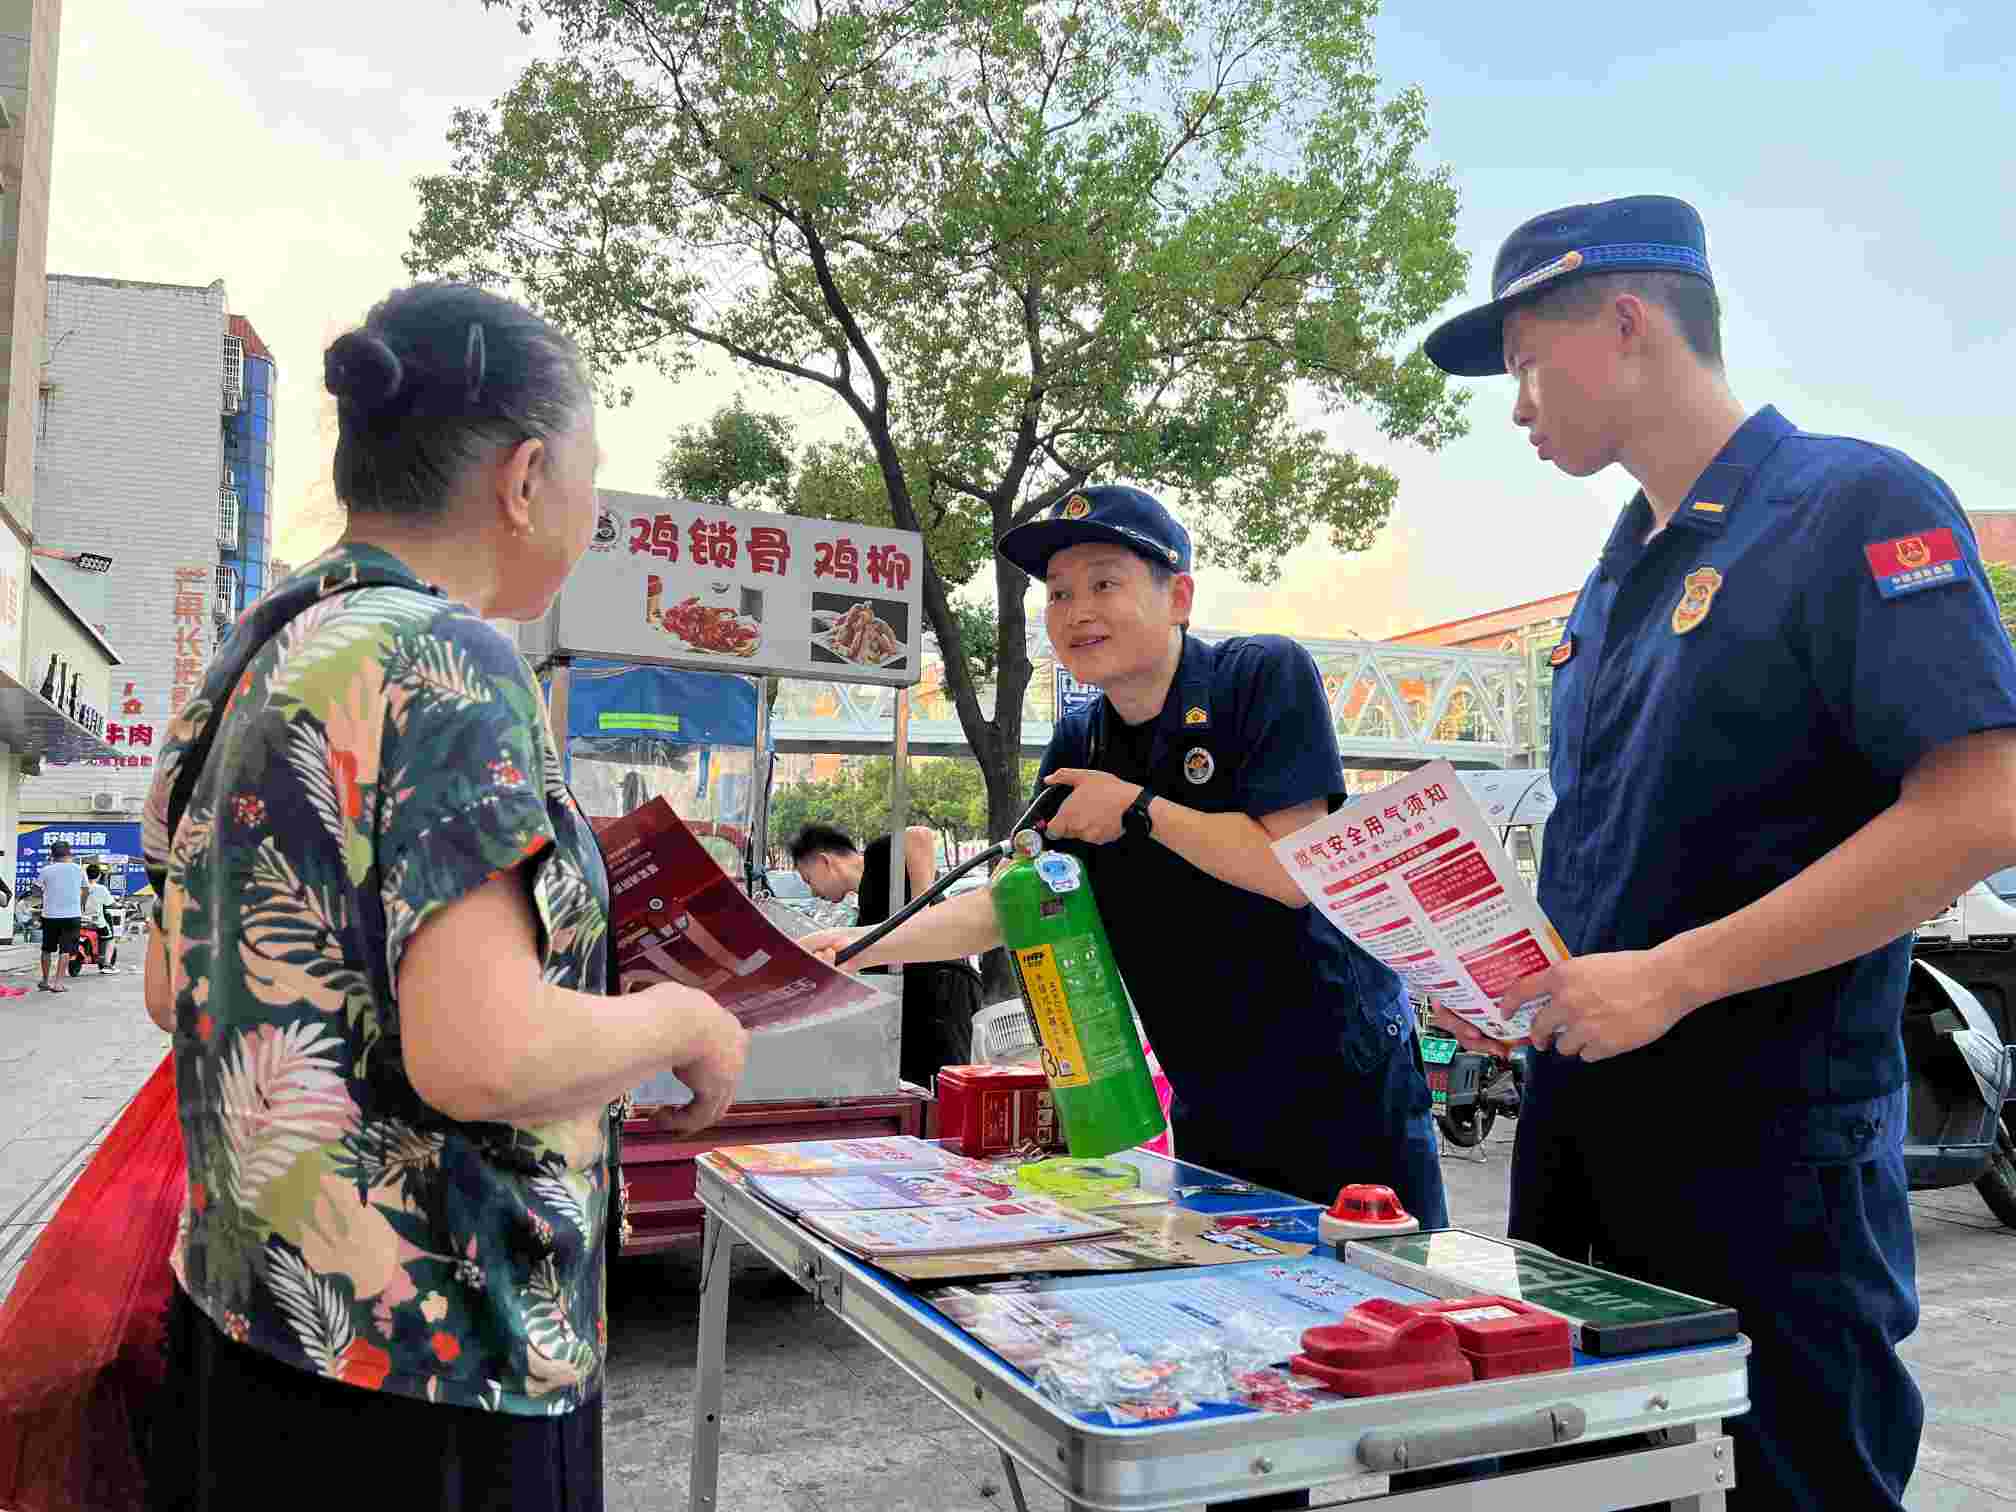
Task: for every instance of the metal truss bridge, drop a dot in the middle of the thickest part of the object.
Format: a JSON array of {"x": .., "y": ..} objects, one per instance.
[{"x": 1395, "y": 707}]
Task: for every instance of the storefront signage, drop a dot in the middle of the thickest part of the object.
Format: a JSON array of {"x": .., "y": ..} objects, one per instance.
[
  {"x": 116, "y": 847},
  {"x": 736, "y": 590}
]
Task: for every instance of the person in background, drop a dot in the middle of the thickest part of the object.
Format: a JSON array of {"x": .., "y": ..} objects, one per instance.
[
  {"x": 1782, "y": 736},
  {"x": 62, "y": 910},
  {"x": 385, "y": 963},
  {"x": 97, "y": 898},
  {"x": 939, "y": 997}
]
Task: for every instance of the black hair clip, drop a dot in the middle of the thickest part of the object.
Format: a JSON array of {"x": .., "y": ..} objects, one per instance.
[{"x": 473, "y": 361}]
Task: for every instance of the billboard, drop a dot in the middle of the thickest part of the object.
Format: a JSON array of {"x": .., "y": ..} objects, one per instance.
[
  {"x": 715, "y": 589},
  {"x": 114, "y": 846}
]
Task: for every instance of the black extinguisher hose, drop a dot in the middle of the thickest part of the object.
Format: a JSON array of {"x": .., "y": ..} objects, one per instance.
[{"x": 1036, "y": 815}]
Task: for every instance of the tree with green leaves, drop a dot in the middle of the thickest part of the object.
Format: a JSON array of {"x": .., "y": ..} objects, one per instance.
[
  {"x": 1023, "y": 245},
  {"x": 2002, "y": 583},
  {"x": 738, "y": 457}
]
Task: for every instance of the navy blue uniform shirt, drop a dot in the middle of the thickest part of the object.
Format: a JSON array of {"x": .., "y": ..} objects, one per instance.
[
  {"x": 1241, "y": 996},
  {"x": 1739, "y": 696}
]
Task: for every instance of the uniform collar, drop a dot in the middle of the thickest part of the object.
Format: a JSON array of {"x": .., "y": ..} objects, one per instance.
[
  {"x": 1190, "y": 689},
  {"x": 1711, "y": 500}
]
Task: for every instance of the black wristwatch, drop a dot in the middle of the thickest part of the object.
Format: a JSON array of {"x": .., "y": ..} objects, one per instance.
[{"x": 1137, "y": 820}]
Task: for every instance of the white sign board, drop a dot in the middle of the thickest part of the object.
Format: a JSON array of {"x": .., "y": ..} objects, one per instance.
[{"x": 741, "y": 590}]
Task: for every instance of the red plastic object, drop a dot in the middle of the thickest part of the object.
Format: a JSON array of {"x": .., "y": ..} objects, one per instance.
[
  {"x": 1382, "y": 1348},
  {"x": 1502, "y": 1337},
  {"x": 1368, "y": 1204},
  {"x": 992, "y": 1110}
]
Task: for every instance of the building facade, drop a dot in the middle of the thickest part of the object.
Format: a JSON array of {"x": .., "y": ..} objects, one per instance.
[
  {"x": 45, "y": 624},
  {"x": 156, "y": 452},
  {"x": 245, "y": 507}
]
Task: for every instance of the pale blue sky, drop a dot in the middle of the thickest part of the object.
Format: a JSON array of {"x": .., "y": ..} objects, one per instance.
[{"x": 1851, "y": 162}]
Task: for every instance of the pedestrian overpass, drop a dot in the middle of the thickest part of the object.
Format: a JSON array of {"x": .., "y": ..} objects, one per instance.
[{"x": 1395, "y": 706}]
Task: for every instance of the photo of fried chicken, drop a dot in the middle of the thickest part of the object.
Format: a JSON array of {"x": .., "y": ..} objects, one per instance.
[{"x": 861, "y": 637}]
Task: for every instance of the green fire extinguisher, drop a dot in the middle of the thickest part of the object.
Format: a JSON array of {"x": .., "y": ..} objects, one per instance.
[{"x": 1071, "y": 988}]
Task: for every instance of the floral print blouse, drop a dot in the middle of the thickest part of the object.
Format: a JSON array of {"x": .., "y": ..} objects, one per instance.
[{"x": 384, "y": 755}]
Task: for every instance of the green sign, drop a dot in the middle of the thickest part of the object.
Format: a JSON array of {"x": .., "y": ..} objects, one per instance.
[
  {"x": 1437, "y": 1049},
  {"x": 668, "y": 723},
  {"x": 1613, "y": 1314}
]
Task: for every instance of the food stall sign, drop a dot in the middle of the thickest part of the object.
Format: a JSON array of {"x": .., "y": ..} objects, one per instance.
[{"x": 685, "y": 584}]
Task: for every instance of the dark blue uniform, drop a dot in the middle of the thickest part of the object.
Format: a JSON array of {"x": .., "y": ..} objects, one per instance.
[
  {"x": 1290, "y": 1051},
  {"x": 1739, "y": 696}
]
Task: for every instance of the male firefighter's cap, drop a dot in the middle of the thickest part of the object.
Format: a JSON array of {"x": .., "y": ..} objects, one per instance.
[
  {"x": 1646, "y": 231},
  {"x": 1124, "y": 516}
]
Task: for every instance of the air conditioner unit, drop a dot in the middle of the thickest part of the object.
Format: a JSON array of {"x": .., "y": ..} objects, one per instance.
[
  {"x": 104, "y": 803},
  {"x": 234, "y": 375},
  {"x": 227, "y": 591},
  {"x": 227, "y": 518}
]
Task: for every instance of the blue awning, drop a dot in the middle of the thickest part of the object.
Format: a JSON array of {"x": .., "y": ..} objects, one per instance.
[{"x": 673, "y": 706}]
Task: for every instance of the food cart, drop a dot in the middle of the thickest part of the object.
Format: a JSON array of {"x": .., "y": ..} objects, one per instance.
[{"x": 651, "y": 661}]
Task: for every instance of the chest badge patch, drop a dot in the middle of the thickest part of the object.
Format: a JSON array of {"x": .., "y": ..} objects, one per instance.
[
  {"x": 1558, "y": 657},
  {"x": 1198, "y": 765},
  {"x": 1196, "y": 717},
  {"x": 1909, "y": 564},
  {"x": 1698, "y": 592}
]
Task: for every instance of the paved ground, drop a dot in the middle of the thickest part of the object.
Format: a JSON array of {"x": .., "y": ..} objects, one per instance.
[
  {"x": 67, "y": 1066},
  {"x": 815, "y": 1418}
]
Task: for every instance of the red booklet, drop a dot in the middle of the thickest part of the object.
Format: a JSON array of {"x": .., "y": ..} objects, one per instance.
[{"x": 677, "y": 917}]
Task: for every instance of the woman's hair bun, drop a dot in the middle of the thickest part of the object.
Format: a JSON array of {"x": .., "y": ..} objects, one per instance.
[{"x": 360, "y": 369}]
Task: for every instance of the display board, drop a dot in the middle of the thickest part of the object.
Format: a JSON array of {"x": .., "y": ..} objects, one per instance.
[
  {"x": 116, "y": 847},
  {"x": 687, "y": 584}
]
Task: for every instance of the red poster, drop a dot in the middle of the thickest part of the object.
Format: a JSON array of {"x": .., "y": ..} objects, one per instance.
[
  {"x": 1506, "y": 963},
  {"x": 1461, "y": 877},
  {"x": 678, "y": 918}
]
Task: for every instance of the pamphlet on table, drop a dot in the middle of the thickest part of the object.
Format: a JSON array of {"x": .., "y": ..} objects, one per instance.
[
  {"x": 1023, "y": 1323},
  {"x": 879, "y": 1189},
  {"x": 1416, "y": 877},
  {"x": 1157, "y": 1238},
  {"x": 844, "y": 1157},
  {"x": 964, "y": 1226}
]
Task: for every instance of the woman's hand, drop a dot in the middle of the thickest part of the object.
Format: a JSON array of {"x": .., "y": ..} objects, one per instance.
[
  {"x": 157, "y": 987},
  {"x": 712, "y": 1067},
  {"x": 827, "y": 943}
]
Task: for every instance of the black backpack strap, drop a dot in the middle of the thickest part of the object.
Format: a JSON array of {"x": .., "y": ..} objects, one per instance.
[{"x": 340, "y": 581}]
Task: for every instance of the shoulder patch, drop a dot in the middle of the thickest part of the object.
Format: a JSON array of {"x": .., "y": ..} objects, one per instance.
[{"x": 1912, "y": 563}]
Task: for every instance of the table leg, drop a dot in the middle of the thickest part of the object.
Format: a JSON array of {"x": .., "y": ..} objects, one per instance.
[
  {"x": 717, "y": 1247},
  {"x": 1705, "y": 1501},
  {"x": 1014, "y": 1481}
]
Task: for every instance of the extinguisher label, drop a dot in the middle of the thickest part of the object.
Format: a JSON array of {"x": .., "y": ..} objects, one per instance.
[{"x": 1063, "y": 1056}]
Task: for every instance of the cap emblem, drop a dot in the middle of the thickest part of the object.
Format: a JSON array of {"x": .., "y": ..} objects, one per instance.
[{"x": 1567, "y": 262}]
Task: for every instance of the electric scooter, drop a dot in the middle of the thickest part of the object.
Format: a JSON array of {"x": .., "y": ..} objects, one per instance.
[
  {"x": 96, "y": 947},
  {"x": 1962, "y": 1075}
]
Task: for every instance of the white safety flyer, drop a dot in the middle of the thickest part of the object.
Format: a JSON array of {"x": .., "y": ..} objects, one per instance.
[{"x": 1415, "y": 876}]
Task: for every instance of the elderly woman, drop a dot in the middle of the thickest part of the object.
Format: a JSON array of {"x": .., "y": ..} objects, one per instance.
[{"x": 383, "y": 955}]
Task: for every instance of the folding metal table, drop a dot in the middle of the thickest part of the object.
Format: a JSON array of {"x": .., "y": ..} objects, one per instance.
[{"x": 1660, "y": 1414}]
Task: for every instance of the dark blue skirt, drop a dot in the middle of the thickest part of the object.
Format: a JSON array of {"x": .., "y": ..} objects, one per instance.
[{"x": 235, "y": 1428}]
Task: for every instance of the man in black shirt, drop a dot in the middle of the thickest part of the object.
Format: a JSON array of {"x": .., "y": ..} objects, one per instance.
[{"x": 939, "y": 997}]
